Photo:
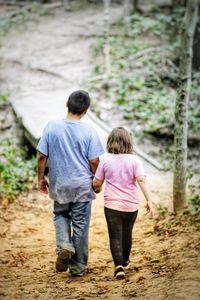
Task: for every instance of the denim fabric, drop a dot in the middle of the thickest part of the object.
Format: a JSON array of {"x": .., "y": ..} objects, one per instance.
[
  {"x": 120, "y": 226},
  {"x": 71, "y": 223}
]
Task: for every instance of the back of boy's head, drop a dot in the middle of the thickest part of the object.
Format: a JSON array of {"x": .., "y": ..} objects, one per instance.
[{"x": 78, "y": 102}]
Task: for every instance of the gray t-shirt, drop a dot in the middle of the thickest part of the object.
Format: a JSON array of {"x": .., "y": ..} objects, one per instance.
[{"x": 70, "y": 144}]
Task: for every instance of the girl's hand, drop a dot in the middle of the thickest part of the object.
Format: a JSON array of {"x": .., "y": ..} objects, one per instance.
[{"x": 149, "y": 209}]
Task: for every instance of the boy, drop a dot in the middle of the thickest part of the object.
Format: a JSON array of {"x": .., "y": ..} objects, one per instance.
[{"x": 73, "y": 149}]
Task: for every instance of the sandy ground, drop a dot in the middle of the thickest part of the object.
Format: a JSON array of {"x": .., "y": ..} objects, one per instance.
[
  {"x": 165, "y": 262},
  {"x": 165, "y": 252}
]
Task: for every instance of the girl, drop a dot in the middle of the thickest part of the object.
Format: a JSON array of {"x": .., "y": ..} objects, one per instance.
[{"x": 121, "y": 169}]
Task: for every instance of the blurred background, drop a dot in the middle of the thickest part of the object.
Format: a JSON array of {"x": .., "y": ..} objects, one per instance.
[{"x": 125, "y": 53}]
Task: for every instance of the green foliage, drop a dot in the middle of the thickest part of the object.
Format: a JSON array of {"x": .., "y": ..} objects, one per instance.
[
  {"x": 98, "y": 48},
  {"x": 29, "y": 12},
  {"x": 16, "y": 173},
  {"x": 21, "y": 18},
  {"x": 3, "y": 98},
  {"x": 167, "y": 157},
  {"x": 163, "y": 211},
  {"x": 171, "y": 20},
  {"x": 97, "y": 69},
  {"x": 144, "y": 74},
  {"x": 194, "y": 104},
  {"x": 141, "y": 91},
  {"x": 141, "y": 24},
  {"x": 195, "y": 201},
  {"x": 143, "y": 98}
]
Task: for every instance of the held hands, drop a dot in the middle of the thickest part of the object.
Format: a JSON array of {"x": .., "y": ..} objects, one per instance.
[
  {"x": 97, "y": 185},
  {"x": 98, "y": 190},
  {"x": 149, "y": 209},
  {"x": 43, "y": 186}
]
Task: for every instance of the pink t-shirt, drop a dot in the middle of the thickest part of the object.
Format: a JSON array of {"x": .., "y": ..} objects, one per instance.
[{"x": 120, "y": 172}]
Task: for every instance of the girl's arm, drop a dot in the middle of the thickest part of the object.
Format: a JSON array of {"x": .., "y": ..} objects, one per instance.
[
  {"x": 145, "y": 190},
  {"x": 97, "y": 185}
]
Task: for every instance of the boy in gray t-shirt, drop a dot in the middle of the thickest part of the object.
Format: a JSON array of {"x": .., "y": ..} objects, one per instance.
[{"x": 73, "y": 149}]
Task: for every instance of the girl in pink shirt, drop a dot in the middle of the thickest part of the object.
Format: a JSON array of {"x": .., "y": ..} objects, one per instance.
[{"x": 122, "y": 170}]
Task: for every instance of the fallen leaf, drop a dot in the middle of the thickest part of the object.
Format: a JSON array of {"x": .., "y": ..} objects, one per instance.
[
  {"x": 127, "y": 279},
  {"x": 136, "y": 269},
  {"x": 148, "y": 233},
  {"x": 156, "y": 227},
  {"x": 154, "y": 261},
  {"x": 133, "y": 294},
  {"x": 140, "y": 278}
]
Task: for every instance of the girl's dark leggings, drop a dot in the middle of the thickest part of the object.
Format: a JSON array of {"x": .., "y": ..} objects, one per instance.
[{"x": 120, "y": 226}]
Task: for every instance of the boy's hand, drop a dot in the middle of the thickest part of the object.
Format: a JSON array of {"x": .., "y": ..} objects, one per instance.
[
  {"x": 43, "y": 186},
  {"x": 149, "y": 209}
]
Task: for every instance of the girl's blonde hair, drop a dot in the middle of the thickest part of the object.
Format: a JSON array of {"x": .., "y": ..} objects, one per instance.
[{"x": 119, "y": 141}]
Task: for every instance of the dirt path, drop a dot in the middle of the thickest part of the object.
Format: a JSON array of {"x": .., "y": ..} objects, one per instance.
[
  {"x": 165, "y": 260},
  {"x": 164, "y": 263},
  {"x": 60, "y": 43}
]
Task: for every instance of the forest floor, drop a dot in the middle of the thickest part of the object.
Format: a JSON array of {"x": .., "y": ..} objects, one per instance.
[
  {"x": 164, "y": 258},
  {"x": 165, "y": 253}
]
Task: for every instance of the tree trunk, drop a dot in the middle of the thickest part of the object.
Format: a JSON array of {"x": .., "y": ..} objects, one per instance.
[
  {"x": 127, "y": 7},
  {"x": 106, "y": 36},
  {"x": 136, "y": 6},
  {"x": 66, "y": 4},
  {"x": 177, "y": 3},
  {"x": 131, "y": 6},
  {"x": 181, "y": 107}
]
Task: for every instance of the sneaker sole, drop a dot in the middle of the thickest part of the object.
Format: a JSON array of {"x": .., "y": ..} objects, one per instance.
[
  {"x": 120, "y": 275},
  {"x": 63, "y": 255},
  {"x": 127, "y": 267}
]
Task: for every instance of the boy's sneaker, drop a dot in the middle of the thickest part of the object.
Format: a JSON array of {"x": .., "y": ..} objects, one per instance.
[
  {"x": 77, "y": 275},
  {"x": 119, "y": 273},
  {"x": 127, "y": 264},
  {"x": 63, "y": 260}
]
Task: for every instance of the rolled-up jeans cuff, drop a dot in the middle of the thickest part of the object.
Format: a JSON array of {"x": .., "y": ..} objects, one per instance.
[
  {"x": 68, "y": 247},
  {"x": 76, "y": 268}
]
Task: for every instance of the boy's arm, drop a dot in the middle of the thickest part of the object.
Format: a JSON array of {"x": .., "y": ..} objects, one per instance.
[
  {"x": 43, "y": 184},
  {"x": 145, "y": 190},
  {"x": 97, "y": 185},
  {"x": 94, "y": 164}
]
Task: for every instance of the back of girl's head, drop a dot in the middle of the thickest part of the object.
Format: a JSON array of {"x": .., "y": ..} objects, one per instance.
[
  {"x": 78, "y": 102},
  {"x": 119, "y": 141}
]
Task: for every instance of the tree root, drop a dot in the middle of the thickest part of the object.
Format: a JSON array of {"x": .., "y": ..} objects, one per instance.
[{"x": 37, "y": 69}]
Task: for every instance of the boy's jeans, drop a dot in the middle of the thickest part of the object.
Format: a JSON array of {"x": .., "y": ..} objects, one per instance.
[{"x": 76, "y": 217}]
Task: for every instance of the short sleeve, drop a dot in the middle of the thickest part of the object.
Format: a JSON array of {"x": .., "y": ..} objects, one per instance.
[
  {"x": 138, "y": 168},
  {"x": 43, "y": 145},
  {"x": 95, "y": 148},
  {"x": 100, "y": 172}
]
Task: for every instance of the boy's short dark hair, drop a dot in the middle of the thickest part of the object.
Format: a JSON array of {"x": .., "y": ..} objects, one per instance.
[{"x": 78, "y": 102}]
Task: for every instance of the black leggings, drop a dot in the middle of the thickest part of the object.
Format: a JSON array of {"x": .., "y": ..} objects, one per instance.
[{"x": 120, "y": 226}]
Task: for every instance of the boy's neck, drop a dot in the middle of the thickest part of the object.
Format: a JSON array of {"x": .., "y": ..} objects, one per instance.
[{"x": 71, "y": 116}]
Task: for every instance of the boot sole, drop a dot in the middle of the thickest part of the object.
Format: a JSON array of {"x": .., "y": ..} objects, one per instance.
[{"x": 63, "y": 260}]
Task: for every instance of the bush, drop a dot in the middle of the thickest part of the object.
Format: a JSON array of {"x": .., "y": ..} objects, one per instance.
[{"x": 16, "y": 173}]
